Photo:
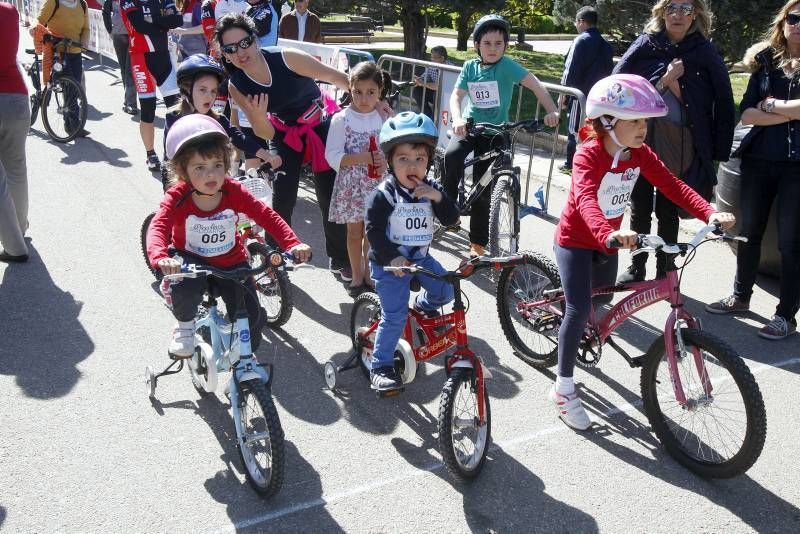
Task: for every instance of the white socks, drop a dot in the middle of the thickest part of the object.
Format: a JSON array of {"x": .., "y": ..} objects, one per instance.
[{"x": 565, "y": 385}]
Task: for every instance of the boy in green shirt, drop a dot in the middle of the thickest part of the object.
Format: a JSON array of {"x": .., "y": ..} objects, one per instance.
[{"x": 489, "y": 82}]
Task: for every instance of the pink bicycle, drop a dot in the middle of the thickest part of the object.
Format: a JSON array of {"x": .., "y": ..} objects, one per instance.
[{"x": 700, "y": 397}]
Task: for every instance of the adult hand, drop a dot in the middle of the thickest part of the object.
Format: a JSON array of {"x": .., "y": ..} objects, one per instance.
[
  {"x": 417, "y": 81},
  {"x": 551, "y": 119},
  {"x": 301, "y": 253},
  {"x": 674, "y": 72},
  {"x": 255, "y": 105},
  {"x": 460, "y": 127},
  {"x": 267, "y": 157},
  {"x": 627, "y": 238},
  {"x": 727, "y": 220},
  {"x": 169, "y": 266},
  {"x": 399, "y": 261}
]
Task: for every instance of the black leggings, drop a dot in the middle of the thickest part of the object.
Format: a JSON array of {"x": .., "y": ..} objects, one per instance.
[
  {"x": 641, "y": 213},
  {"x": 762, "y": 183},
  {"x": 581, "y": 270}
]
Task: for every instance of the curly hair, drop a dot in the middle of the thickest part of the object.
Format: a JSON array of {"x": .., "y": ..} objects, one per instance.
[{"x": 702, "y": 23}]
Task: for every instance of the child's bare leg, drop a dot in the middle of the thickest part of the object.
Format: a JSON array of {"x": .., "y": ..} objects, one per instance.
[{"x": 355, "y": 238}]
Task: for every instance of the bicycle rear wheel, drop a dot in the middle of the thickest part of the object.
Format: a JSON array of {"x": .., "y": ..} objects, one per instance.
[
  {"x": 503, "y": 219},
  {"x": 716, "y": 435},
  {"x": 259, "y": 438},
  {"x": 143, "y": 245},
  {"x": 273, "y": 285},
  {"x": 64, "y": 109},
  {"x": 463, "y": 441},
  {"x": 366, "y": 312},
  {"x": 531, "y": 331}
]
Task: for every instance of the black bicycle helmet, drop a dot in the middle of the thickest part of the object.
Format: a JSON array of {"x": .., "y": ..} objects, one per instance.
[
  {"x": 490, "y": 22},
  {"x": 194, "y": 66}
]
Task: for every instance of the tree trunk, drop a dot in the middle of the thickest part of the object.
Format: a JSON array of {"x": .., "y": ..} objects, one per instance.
[
  {"x": 413, "y": 33},
  {"x": 464, "y": 29}
]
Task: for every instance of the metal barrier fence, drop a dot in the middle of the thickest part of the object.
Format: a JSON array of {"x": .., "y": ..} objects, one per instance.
[{"x": 403, "y": 69}]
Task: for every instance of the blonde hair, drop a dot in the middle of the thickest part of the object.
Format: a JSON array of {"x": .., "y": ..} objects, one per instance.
[
  {"x": 702, "y": 22},
  {"x": 777, "y": 41}
]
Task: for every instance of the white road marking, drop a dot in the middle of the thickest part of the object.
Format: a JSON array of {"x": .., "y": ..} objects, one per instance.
[{"x": 435, "y": 466}]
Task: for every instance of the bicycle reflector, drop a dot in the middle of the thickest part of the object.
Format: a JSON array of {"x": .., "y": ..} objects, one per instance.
[{"x": 275, "y": 259}]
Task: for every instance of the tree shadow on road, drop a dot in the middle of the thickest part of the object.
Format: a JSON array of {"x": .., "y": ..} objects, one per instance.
[{"x": 43, "y": 338}]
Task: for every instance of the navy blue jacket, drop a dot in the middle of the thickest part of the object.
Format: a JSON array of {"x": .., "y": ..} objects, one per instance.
[
  {"x": 590, "y": 59},
  {"x": 705, "y": 89}
]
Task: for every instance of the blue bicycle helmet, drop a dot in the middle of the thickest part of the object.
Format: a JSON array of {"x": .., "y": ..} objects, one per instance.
[
  {"x": 490, "y": 22},
  {"x": 407, "y": 127}
]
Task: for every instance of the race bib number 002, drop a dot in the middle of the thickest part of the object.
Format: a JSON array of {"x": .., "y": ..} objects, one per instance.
[
  {"x": 211, "y": 236},
  {"x": 484, "y": 95}
]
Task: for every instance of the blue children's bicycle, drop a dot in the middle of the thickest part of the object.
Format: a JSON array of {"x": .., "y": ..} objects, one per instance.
[{"x": 222, "y": 347}]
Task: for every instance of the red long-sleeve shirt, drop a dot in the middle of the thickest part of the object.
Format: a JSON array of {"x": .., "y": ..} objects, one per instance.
[
  {"x": 598, "y": 196},
  {"x": 211, "y": 234}
]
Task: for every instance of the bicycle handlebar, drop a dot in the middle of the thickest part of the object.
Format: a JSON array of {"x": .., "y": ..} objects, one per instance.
[
  {"x": 54, "y": 40},
  {"x": 528, "y": 125},
  {"x": 465, "y": 270},
  {"x": 275, "y": 259},
  {"x": 265, "y": 172},
  {"x": 647, "y": 242}
]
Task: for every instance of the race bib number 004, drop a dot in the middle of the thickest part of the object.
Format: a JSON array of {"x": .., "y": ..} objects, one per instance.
[
  {"x": 615, "y": 192},
  {"x": 211, "y": 236},
  {"x": 411, "y": 225},
  {"x": 484, "y": 95}
]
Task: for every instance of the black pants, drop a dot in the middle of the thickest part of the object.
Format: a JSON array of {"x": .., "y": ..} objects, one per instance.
[
  {"x": 284, "y": 196},
  {"x": 188, "y": 294},
  {"x": 121, "y": 48},
  {"x": 762, "y": 183},
  {"x": 641, "y": 213},
  {"x": 454, "y": 157},
  {"x": 73, "y": 67}
]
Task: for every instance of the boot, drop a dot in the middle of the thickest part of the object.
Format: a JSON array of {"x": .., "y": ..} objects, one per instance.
[{"x": 635, "y": 272}]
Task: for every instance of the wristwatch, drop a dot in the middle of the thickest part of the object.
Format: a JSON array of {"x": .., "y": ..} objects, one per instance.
[{"x": 769, "y": 105}]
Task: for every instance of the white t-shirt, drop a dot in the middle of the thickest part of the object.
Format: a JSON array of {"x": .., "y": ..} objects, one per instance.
[{"x": 301, "y": 25}]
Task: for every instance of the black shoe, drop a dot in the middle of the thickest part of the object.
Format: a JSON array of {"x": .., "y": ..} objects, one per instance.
[
  {"x": 566, "y": 169},
  {"x": 83, "y": 133},
  {"x": 633, "y": 273},
  {"x": 10, "y": 258},
  {"x": 384, "y": 379},
  {"x": 130, "y": 110}
]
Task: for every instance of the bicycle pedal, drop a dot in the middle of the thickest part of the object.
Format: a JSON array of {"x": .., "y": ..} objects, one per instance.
[
  {"x": 390, "y": 392},
  {"x": 178, "y": 356}
]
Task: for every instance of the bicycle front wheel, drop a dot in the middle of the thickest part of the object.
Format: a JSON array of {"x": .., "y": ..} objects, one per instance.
[
  {"x": 463, "y": 440},
  {"x": 260, "y": 442},
  {"x": 273, "y": 285},
  {"x": 64, "y": 109},
  {"x": 503, "y": 219},
  {"x": 532, "y": 331},
  {"x": 716, "y": 434}
]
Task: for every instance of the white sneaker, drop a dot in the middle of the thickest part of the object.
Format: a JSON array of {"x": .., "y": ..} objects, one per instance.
[
  {"x": 182, "y": 344},
  {"x": 570, "y": 410}
]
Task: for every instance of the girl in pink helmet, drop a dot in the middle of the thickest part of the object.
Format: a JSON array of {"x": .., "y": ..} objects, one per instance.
[
  {"x": 198, "y": 218},
  {"x": 605, "y": 169}
]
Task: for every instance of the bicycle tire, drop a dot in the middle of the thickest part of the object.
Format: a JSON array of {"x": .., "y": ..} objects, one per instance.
[
  {"x": 143, "y": 246},
  {"x": 60, "y": 91},
  {"x": 35, "y": 102},
  {"x": 503, "y": 223},
  {"x": 737, "y": 379},
  {"x": 513, "y": 288},
  {"x": 265, "y": 480},
  {"x": 272, "y": 285},
  {"x": 366, "y": 310},
  {"x": 461, "y": 463}
]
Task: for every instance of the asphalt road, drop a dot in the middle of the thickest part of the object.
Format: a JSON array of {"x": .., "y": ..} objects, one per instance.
[{"x": 82, "y": 448}]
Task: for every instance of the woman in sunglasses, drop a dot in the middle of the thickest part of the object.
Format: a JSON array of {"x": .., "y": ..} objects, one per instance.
[
  {"x": 675, "y": 55},
  {"x": 770, "y": 170},
  {"x": 281, "y": 81}
]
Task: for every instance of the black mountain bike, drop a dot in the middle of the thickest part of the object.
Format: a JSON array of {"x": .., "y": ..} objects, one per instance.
[{"x": 62, "y": 100}]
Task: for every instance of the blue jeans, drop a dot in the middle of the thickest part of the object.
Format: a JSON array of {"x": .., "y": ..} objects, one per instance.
[
  {"x": 394, "y": 292},
  {"x": 73, "y": 67}
]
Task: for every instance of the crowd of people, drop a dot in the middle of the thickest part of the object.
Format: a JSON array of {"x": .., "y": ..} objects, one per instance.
[{"x": 656, "y": 125}]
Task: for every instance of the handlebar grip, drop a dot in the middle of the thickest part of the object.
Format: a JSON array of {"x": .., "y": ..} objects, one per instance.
[{"x": 613, "y": 243}]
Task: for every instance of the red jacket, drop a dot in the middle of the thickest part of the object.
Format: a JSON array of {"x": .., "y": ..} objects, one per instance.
[
  {"x": 598, "y": 196},
  {"x": 169, "y": 226}
]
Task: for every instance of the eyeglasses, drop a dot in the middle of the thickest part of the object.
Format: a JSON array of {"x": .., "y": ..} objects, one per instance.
[
  {"x": 232, "y": 48},
  {"x": 792, "y": 19},
  {"x": 683, "y": 9}
]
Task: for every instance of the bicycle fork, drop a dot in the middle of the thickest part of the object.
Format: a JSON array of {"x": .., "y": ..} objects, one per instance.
[{"x": 675, "y": 345}]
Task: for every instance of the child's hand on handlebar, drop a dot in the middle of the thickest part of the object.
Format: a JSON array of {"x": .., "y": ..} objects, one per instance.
[
  {"x": 301, "y": 253},
  {"x": 460, "y": 127},
  {"x": 169, "y": 266},
  {"x": 399, "y": 261},
  {"x": 726, "y": 220},
  {"x": 626, "y": 238}
]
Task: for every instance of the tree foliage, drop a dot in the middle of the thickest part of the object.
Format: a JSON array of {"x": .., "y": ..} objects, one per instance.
[
  {"x": 737, "y": 23},
  {"x": 467, "y": 13}
]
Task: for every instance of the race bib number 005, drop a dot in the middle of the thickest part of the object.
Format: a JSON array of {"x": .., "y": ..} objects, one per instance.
[{"x": 211, "y": 236}]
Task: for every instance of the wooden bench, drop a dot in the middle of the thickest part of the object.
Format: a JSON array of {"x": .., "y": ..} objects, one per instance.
[
  {"x": 374, "y": 25},
  {"x": 346, "y": 28}
]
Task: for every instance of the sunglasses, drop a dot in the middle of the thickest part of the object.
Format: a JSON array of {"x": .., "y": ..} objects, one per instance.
[
  {"x": 232, "y": 48},
  {"x": 792, "y": 19},
  {"x": 683, "y": 9}
]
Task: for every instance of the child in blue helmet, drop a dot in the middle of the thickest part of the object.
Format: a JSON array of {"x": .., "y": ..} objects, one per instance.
[{"x": 399, "y": 225}]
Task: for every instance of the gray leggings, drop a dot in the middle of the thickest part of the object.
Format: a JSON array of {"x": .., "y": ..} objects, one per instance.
[{"x": 581, "y": 270}]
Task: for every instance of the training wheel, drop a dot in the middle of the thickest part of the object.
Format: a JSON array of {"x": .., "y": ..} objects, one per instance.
[
  {"x": 330, "y": 374},
  {"x": 150, "y": 381}
]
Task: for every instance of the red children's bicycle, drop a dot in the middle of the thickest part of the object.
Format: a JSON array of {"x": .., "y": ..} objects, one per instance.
[
  {"x": 464, "y": 421},
  {"x": 700, "y": 397}
]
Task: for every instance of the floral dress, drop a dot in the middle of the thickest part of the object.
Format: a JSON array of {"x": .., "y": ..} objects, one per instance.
[{"x": 349, "y": 134}]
